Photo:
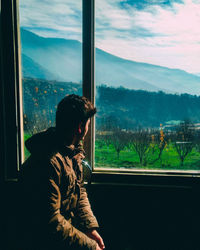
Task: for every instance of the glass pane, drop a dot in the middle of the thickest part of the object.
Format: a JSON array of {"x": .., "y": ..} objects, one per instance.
[
  {"x": 148, "y": 84},
  {"x": 51, "y": 46}
]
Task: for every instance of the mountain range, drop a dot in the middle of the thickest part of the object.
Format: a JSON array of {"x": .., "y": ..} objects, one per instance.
[{"x": 60, "y": 59}]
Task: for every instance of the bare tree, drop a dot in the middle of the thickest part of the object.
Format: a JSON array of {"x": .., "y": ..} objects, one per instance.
[
  {"x": 100, "y": 138},
  {"x": 158, "y": 143},
  {"x": 197, "y": 141},
  {"x": 104, "y": 138},
  {"x": 184, "y": 139},
  {"x": 140, "y": 139},
  {"x": 37, "y": 122},
  {"x": 119, "y": 140}
]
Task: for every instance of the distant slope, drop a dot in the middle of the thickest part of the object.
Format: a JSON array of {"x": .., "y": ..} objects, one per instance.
[
  {"x": 63, "y": 59},
  {"x": 34, "y": 70},
  {"x": 117, "y": 107},
  {"x": 40, "y": 94},
  {"x": 127, "y": 72},
  {"x": 128, "y": 109}
]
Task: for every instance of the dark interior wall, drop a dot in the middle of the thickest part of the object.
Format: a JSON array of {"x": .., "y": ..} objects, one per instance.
[
  {"x": 130, "y": 217},
  {"x": 146, "y": 218}
]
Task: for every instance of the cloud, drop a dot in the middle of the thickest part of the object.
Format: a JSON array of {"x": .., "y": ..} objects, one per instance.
[
  {"x": 163, "y": 32},
  {"x": 63, "y": 16},
  {"x": 171, "y": 31}
]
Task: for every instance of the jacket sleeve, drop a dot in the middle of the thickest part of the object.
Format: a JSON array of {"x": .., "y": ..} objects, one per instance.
[
  {"x": 60, "y": 228},
  {"x": 85, "y": 217},
  {"x": 84, "y": 213}
]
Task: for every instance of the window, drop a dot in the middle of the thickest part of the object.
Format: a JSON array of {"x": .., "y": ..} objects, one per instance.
[
  {"x": 148, "y": 85},
  {"x": 147, "y": 77},
  {"x": 51, "y": 52}
]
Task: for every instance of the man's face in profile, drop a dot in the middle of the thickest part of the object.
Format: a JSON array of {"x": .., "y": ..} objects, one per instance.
[
  {"x": 86, "y": 128},
  {"x": 81, "y": 132}
]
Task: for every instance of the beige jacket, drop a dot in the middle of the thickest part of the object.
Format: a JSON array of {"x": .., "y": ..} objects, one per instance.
[{"x": 55, "y": 172}]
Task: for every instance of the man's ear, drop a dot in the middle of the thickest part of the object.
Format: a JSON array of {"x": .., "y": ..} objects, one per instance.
[{"x": 80, "y": 128}]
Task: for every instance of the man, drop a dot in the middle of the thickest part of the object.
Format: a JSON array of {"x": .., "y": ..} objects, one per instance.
[{"x": 56, "y": 211}]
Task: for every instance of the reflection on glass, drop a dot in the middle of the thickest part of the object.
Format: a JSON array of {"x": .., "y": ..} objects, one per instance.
[
  {"x": 51, "y": 40},
  {"x": 148, "y": 84}
]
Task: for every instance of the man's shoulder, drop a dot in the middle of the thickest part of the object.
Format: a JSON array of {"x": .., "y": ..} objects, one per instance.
[{"x": 60, "y": 161}]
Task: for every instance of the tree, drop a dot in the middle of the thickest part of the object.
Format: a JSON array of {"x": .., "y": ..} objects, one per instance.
[
  {"x": 184, "y": 139},
  {"x": 37, "y": 121},
  {"x": 119, "y": 140},
  {"x": 140, "y": 139},
  {"x": 197, "y": 141},
  {"x": 103, "y": 138},
  {"x": 158, "y": 143}
]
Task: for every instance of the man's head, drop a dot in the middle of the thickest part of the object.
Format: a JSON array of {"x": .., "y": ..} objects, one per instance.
[{"x": 72, "y": 116}]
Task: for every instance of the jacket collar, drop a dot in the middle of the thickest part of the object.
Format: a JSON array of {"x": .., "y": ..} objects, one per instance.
[{"x": 72, "y": 150}]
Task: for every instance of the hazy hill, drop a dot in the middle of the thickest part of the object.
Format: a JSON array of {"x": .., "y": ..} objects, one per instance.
[
  {"x": 118, "y": 107},
  {"x": 62, "y": 60},
  {"x": 39, "y": 94},
  {"x": 128, "y": 109},
  {"x": 34, "y": 70},
  {"x": 59, "y": 56}
]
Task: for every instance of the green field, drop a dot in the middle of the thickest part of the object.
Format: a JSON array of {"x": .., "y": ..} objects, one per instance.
[
  {"x": 106, "y": 157},
  {"x": 26, "y": 152}
]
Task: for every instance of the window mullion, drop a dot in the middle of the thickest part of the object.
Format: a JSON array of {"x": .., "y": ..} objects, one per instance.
[{"x": 88, "y": 69}]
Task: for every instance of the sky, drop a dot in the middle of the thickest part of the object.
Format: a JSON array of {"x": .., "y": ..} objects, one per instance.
[{"x": 160, "y": 32}]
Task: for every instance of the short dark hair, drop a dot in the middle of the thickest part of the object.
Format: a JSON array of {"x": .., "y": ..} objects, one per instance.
[{"x": 71, "y": 111}]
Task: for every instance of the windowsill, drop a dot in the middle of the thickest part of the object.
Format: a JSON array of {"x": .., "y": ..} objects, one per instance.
[
  {"x": 146, "y": 178},
  {"x": 157, "y": 172}
]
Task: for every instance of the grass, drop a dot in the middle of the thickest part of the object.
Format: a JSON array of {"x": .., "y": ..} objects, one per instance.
[
  {"x": 106, "y": 157},
  {"x": 26, "y": 152}
]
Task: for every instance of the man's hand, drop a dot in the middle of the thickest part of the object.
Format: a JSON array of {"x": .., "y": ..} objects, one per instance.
[
  {"x": 93, "y": 234},
  {"x": 98, "y": 248}
]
